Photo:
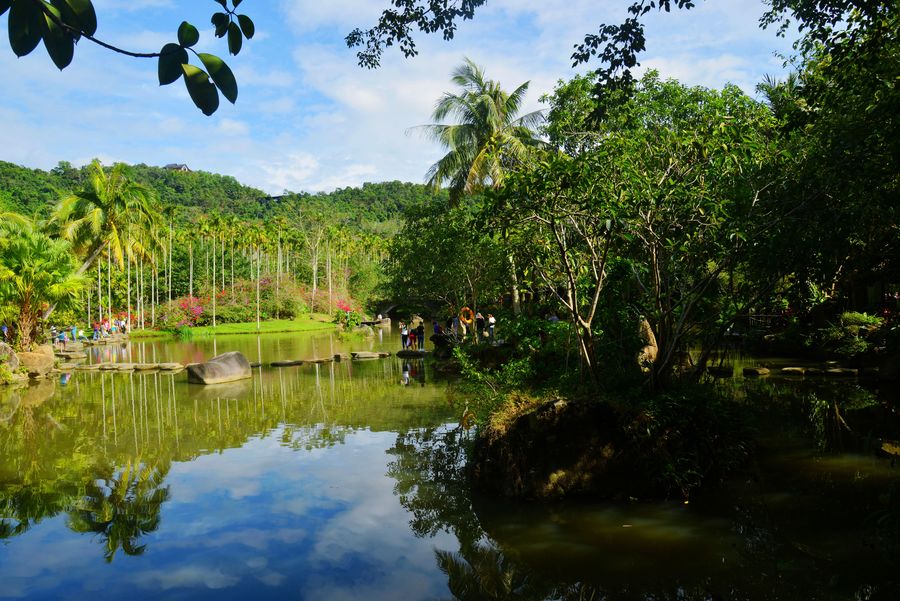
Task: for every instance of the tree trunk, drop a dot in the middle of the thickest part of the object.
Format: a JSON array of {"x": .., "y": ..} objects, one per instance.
[
  {"x": 214, "y": 286},
  {"x": 191, "y": 268},
  {"x": 258, "y": 275},
  {"x": 514, "y": 277}
]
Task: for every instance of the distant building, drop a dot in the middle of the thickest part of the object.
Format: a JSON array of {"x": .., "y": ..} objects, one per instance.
[{"x": 178, "y": 167}]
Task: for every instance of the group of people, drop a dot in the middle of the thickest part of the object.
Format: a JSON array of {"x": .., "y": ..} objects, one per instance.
[
  {"x": 102, "y": 329},
  {"x": 458, "y": 326},
  {"x": 412, "y": 338}
]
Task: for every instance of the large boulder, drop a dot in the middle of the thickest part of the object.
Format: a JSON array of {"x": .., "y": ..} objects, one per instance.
[
  {"x": 37, "y": 365},
  {"x": 229, "y": 367},
  {"x": 8, "y": 357}
]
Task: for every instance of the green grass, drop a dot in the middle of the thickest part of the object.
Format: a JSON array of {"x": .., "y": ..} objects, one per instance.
[{"x": 316, "y": 322}]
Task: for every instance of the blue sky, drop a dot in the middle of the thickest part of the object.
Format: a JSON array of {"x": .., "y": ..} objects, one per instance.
[{"x": 308, "y": 118}]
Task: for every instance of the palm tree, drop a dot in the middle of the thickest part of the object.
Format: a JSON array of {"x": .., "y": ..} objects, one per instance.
[
  {"x": 126, "y": 506},
  {"x": 112, "y": 214},
  {"x": 488, "y": 136},
  {"x": 35, "y": 270},
  {"x": 488, "y": 139}
]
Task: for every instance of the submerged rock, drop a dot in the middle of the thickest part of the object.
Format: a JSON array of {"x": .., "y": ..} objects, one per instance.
[
  {"x": 224, "y": 368},
  {"x": 8, "y": 357}
]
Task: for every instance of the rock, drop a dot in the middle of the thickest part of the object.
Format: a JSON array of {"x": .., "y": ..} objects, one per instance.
[
  {"x": 412, "y": 354},
  {"x": 171, "y": 366},
  {"x": 815, "y": 371},
  {"x": 384, "y": 355},
  {"x": 723, "y": 371},
  {"x": 88, "y": 367},
  {"x": 647, "y": 355},
  {"x": 253, "y": 365},
  {"x": 342, "y": 357},
  {"x": 793, "y": 371},
  {"x": 218, "y": 370},
  {"x": 124, "y": 366},
  {"x": 146, "y": 366},
  {"x": 66, "y": 367},
  {"x": 324, "y": 360},
  {"x": 363, "y": 355},
  {"x": 37, "y": 365},
  {"x": 286, "y": 363},
  {"x": 8, "y": 357},
  {"x": 756, "y": 371},
  {"x": 841, "y": 372},
  {"x": 108, "y": 367},
  {"x": 364, "y": 331},
  {"x": 44, "y": 349}
]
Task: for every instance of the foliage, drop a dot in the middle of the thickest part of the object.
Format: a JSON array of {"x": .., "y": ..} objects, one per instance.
[
  {"x": 488, "y": 136},
  {"x": 63, "y": 23},
  {"x": 669, "y": 187},
  {"x": 441, "y": 255},
  {"x": 35, "y": 271},
  {"x": 347, "y": 319}
]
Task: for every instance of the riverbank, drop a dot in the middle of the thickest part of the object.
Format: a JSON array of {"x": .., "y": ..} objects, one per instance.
[{"x": 309, "y": 323}]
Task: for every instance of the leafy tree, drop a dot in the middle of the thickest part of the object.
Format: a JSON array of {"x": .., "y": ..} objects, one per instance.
[
  {"x": 35, "y": 271},
  {"x": 489, "y": 136}
]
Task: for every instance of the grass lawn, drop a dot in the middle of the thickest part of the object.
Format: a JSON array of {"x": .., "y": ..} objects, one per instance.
[{"x": 310, "y": 323}]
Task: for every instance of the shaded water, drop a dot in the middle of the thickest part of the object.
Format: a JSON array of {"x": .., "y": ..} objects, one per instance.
[{"x": 336, "y": 481}]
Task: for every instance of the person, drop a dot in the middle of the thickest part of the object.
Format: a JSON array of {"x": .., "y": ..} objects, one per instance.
[
  {"x": 404, "y": 334},
  {"x": 96, "y": 331},
  {"x": 412, "y": 338},
  {"x": 61, "y": 337},
  {"x": 5, "y": 332},
  {"x": 436, "y": 326},
  {"x": 405, "y": 377},
  {"x": 74, "y": 333},
  {"x": 479, "y": 325},
  {"x": 420, "y": 336},
  {"x": 492, "y": 321},
  {"x": 455, "y": 327}
]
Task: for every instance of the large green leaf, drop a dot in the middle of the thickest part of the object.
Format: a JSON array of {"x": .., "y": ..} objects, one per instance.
[
  {"x": 59, "y": 44},
  {"x": 235, "y": 40},
  {"x": 222, "y": 76},
  {"x": 171, "y": 57},
  {"x": 247, "y": 26},
  {"x": 187, "y": 35},
  {"x": 24, "y": 27},
  {"x": 202, "y": 91},
  {"x": 221, "y": 21},
  {"x": 84, "y": 12}
]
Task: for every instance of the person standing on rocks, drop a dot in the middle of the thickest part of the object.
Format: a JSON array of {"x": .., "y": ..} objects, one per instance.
[
  {"x": 420, "y": 336},
  {"x": 479, "y": 326}
]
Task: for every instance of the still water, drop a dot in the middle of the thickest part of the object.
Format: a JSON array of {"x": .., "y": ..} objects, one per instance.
[{"x": 341, "y": 481}]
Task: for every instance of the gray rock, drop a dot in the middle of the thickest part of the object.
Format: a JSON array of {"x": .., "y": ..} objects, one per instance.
[
  {"x": 37, "y": 365},
  {"x": 756, "y": 371},
  {"x": 218, "y": 370},
  {"x": 793, "y": 371},
  {"x": 8, "y": 357},
  {"x": 362, "y": 355},
  {"x": 146, "y": 366},
  {"x": 286, "y": 363},
  {"x": 841, "y": 371},
  {"x": 171, "y": 366}
]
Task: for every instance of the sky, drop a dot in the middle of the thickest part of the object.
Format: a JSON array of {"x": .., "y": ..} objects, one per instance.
[{"x": 308, "y": 118}]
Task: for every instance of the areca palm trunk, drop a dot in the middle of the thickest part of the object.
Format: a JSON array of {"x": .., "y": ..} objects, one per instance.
[
  {"x": 99, "y": 295},
  {"x": 191, "y": 268},
  {"x": 109, "y": 286},
  {"x": 213, "y": 289},
  {"x": 258, "y": 275},
  {"x": 128, "y": 279}
]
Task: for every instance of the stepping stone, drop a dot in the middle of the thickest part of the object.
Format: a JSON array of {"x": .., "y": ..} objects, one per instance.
[
  {"x": 66, "y": 366},
  {"x": 107, "y": 367},
  {"x": 793, "y": 371},
  {"x": 253, "y": 365},
  {"x": 362, "y": 355},
  {"x": 841, "y": 371},
  {"x": 342, "y": 357},
  {"x": 325, "y": 360},
  {"x": 171, "y": 366},
  {"x": 285, "y": 363},
  {"x": 756, "y": 371},
  {"x": 125, "y": 367},
  {"x": 88, "y": 367},
  {"x": 146, "y": 366}
]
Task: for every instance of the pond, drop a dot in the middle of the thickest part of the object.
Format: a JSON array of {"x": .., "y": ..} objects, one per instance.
[{"x": 340, "y": 481}]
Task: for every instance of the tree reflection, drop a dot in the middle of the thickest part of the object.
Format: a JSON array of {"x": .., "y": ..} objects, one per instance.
[{"x": 123, "y": 507}]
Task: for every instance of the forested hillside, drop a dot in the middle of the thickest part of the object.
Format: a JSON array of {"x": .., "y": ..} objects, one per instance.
[{"x": 35, "y": 192}]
